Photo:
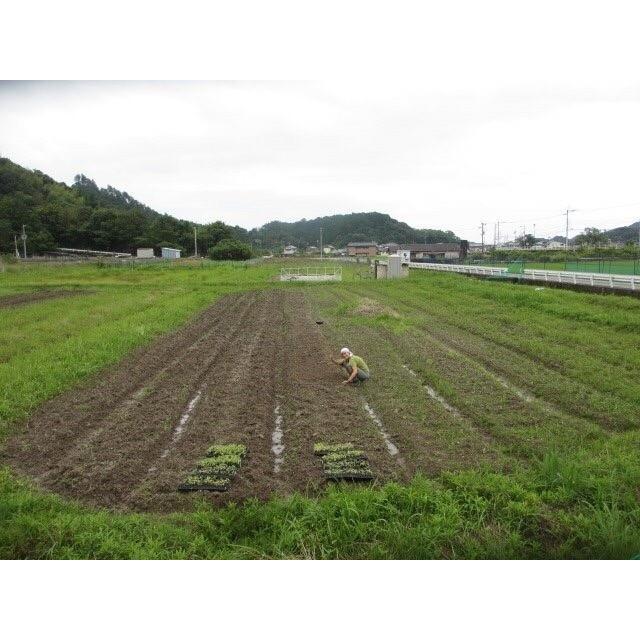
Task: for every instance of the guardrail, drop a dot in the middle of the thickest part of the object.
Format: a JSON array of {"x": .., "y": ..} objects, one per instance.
[
  {"x": 459, "y": 268},
  {"x": 579, "y": 278}
]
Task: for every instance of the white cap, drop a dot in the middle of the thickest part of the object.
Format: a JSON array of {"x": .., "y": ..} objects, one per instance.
[{"x": 345, "y": 351}]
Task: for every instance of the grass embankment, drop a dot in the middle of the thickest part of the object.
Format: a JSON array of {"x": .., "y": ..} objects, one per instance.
[{"x": 555, "y": 477}]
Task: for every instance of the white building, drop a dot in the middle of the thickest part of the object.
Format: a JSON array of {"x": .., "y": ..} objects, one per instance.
[
  {"x": 168, "y": 252},
  {"x": 144, "y": 253},
  {"x": 290, "y": 250}
]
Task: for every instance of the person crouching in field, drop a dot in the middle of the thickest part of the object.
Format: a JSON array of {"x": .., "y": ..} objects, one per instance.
[{"x": 355, "y": 366}]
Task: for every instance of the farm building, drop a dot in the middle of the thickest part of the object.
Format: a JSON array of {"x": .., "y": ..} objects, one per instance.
[
  {"x": 169, "y": 252},
  {"x": 438, "y": 251},
  {"x": 362, "y": 249},
  {"x": 144, "y": 253},
  {"x": 290, "y": 250}
]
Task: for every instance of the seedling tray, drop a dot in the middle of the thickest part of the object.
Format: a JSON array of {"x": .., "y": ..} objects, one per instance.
[
  {"x": 322, "y": 448},
  {"x": 217, "y": 470},
  {"x": 204, "y": 483},
  {"x": 343, "y": 462}
]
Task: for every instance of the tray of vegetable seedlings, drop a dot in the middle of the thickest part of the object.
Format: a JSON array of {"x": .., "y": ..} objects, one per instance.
[
  {"x": 343, "y": 462},
  {"x": 216, "y": 471}
]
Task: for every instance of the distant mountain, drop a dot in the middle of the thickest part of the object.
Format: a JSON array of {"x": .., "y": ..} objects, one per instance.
[
  {"x": 624, "y": 234},
  {"x": 339, "y": 230}
]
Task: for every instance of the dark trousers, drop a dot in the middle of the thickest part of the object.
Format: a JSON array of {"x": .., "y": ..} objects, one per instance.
[{"x": 361, "y": 375}]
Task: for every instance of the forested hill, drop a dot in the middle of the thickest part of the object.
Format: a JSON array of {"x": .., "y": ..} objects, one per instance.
[
  {"x": 624, "y": 234},
  {"x": 338, "y": 230},
  {"x": 85, "y": 216}
]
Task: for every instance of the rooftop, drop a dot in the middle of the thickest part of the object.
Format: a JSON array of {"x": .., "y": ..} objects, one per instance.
[{"x": 435, "y": 247}]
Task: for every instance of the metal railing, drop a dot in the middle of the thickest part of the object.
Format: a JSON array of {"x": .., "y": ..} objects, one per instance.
[
  {"x": 311, "y": 274},
  {"x": 580, "y": 278}
]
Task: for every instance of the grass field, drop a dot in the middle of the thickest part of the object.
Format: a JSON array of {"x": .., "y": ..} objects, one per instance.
[
  {"x": 515, "y": 413},
  {"x": 614, "y": 266}
]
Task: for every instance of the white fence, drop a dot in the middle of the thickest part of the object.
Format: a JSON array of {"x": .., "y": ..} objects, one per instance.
[
  {"x": 311, "y": 274},
  {"x": 580, "y": 278}
]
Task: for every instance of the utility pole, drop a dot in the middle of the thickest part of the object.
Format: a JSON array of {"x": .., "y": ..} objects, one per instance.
[
  {"x": 24, "y": 242},
  {"x": 321, "y": 252},
  {"x": 15, "y": 244},
  {"x": 566, "y": 235},
  {"x": 498, "y": 231},
  {"x": 195, "y": 241},
  {"x": 482, "y": 233},
  {"x": 534, "y": 231},
  {"x": 494, "y": 236}
]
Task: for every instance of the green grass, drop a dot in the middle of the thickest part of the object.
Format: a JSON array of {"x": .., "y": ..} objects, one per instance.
[
  {"x": 616, "y": 267},
  {"x": 552, "y": 485}
]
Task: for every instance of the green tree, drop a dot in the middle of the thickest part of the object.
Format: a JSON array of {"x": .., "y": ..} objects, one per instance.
[
  {"x": 591, "y": 237},
  {"x": 527, "y": 240},
  {"x": 230, "y": 250}
]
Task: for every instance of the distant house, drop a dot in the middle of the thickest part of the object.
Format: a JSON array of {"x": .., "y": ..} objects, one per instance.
[
  {"x": 290, "y": 250},
  {"x": 170, "y": 253},
  {"x": 362, "y": 249},
  {"x": 329, "y": 249},
  {"x": 312, "y": 249},
  {"x": 438, "y": 251},
  {"x": 476, "y": 247},
  {"x": 554, "y": 244},
  {"x": 144, "y": 253},
  {"x": 390, "y": 247}
]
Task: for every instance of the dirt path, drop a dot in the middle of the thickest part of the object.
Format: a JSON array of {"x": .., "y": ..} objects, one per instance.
[
  {"x": 127, "y": 438},
  {"x": 21, "y": 299}
]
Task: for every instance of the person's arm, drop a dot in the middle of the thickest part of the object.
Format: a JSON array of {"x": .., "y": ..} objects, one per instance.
[{"x": 354, "y": 373}]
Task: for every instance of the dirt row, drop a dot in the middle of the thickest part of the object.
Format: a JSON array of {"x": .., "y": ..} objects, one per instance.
[
  {"x": 127, "y": 438},
  {"x": 21, "y": 299}
]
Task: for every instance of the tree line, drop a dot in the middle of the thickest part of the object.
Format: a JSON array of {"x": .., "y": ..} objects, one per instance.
[{"x": 85, "y": 216}]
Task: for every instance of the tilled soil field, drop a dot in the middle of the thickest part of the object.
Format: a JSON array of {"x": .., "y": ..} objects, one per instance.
[{"x": 248, "y": 363}]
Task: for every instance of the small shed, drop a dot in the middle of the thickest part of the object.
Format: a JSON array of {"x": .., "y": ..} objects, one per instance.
[
  {"x": 169, "y": 252},
  {"x": 144, "y": 253}
]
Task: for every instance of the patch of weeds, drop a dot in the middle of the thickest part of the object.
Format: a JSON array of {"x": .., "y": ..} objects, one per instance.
[
  {"x": 215, "y": 472},
  {"x": 343, "y": 462}
]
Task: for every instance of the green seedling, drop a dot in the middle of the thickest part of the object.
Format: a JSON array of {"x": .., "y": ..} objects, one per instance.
[
  {"x": 215, "y": 472},
  {"x": 220, "y": 471},
  {"x": 204, "y": 483},
  {"x": 227, "y": 449},
  {"x": 322, "y": 448},
  {"x": 338, "y": 465},
  {"x": 343, "y": 462},
  {"x": 340, "y": 456},
  {"x": 229, "y": 459},
  {"x": 350, "y": 474}
]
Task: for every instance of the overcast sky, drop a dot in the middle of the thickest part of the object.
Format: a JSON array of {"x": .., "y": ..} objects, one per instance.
[{"x": 247, "y": 153}]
